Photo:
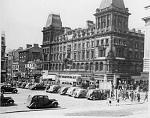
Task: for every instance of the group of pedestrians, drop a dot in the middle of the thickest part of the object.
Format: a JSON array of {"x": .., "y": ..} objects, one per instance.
[{"x": 124, "y": 95}]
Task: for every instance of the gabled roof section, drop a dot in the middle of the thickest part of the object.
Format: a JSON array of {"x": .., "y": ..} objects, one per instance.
[
  {"x": 116, "y": 3},
  {"x": 54, "y": 20}
]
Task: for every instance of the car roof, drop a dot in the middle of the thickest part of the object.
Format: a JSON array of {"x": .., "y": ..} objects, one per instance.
[{"x": 32, "y": 95}]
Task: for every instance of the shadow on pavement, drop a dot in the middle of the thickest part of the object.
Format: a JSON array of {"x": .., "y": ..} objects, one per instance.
[
  {"x": 9, "y": 105},
  {"x": 101, "y": 113},
  {"x": 30, "y": 110}
]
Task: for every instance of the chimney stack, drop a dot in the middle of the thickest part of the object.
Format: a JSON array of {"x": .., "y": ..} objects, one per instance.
[
  {"x": 36, "y": 45},
  {"x": 28, "y": 45},
  {"x": 89, "y": 24}
]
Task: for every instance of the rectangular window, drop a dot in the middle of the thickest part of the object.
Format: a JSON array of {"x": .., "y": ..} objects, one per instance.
[
  {"x": 64, "y": 48},
  {"x": 79, "y": 46},
  {"x": 83, "y": 55},
  {"x": 60, "y": 48},
  {"x": 101, "y": 53},
  {"x": 75, "y": 56},
  {"x": 83, "y": 45},
  {"x": 79, "y": 55},
  {"x": 102, "y": 42},
  {"x": 87, "y": 44},
  {"x": 107, "y": 42},
  {"x": 87, "y": 54},
  {"x": 97, "y": 43},
  {"x": 92, "y": 44},
  {"x": 75, "y": 46},
  {"x": 92, "y": 54}
]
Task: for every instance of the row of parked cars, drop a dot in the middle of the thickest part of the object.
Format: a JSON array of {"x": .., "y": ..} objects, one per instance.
[
  {"x": 32, "y": 86},
  {"x": 78, "y": 92}
]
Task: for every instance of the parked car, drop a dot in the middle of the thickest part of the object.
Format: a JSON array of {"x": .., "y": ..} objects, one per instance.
[
  {"x": 47, "y": 86},
  {"x": 71, "y": 90},
  {"x": 53, "y": 89},
  {"x": 80, "y": 93},
  {"x": 23, "y": 85},
  {"x": 8, "y": 88},
  {"x": 63, "y": 90},
  {"x": 37, "y": 86},
  {"x": 96, "y": 94},
  {"x": 28, "y": 85},
  {"x": 40, "y": 101},
  {"x": 5, "y": 100}
]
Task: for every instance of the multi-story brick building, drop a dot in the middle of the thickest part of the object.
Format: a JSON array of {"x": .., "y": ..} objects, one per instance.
[
  {"x": 30, "y": 54},
  {"x": 13, "y": 63},
  {"x": 106, "y": 50}
]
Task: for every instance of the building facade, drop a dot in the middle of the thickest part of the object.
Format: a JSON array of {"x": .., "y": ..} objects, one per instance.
[
  {"x": 4, "y": 59},
  {"x": 13, "y": 64},
  {"x": 27, "y": 58},
  {"x": 105, "y": 51}
]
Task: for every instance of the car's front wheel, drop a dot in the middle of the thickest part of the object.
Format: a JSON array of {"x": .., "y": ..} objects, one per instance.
[
  {"x": 11, "y": 102},
  {"x": 15, "y": 91},
  {"x": 55, "y": 104},
  {"x": 2, "y": 90},
  {"x": 93, "y": 98}
]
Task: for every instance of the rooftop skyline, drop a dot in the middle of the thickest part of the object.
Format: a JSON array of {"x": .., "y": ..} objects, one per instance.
[{"x": 23, "y": 20}]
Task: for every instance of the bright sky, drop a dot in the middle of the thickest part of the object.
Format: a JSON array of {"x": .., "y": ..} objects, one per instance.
[{"x": 23, "y": 20}]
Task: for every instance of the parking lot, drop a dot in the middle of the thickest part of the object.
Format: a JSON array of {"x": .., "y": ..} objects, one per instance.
[{"x": 71, "y": 106}]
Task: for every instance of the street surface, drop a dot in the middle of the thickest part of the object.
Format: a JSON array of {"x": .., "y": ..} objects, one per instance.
[{"x": 72, "y": 107}]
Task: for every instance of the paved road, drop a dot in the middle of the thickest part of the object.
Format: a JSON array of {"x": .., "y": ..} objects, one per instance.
[{"x": 72, "y": 107}]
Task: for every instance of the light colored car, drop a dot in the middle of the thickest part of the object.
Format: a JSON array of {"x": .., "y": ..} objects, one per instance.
[
  {"x": 53, "y": 89},
  {"x": 63, "y": 90},
  {"x": 71, "y": 90},
  {"x": 80, "y": 93}
]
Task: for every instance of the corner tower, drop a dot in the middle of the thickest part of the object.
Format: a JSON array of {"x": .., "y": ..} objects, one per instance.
[
  {"x": 112, "y": 16},
  {"x": 52, "y": 29}
]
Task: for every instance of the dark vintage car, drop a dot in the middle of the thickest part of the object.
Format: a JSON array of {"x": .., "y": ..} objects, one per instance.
[
  {"x": 53, "y": 89},
  {"x": 63, "y": 90},
  {"x": 96, "y": 94},
  {"x": 8, "y": 88},
  {"x": 5, "y": 100},
  {"x": 80, "y": 93},
  {"x": 41, "y": 101},
  {"x": 37, "y": 86}
]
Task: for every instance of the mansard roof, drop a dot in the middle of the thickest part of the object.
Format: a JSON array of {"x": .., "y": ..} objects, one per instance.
[
  {"x": 115, "y": 3},
  {"x": 54, "y": 20}
]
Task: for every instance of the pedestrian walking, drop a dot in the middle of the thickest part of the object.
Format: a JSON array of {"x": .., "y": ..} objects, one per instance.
[
  {"x": 131, "y": 96},
  {"x": 146, "y": 96},
  {"x": 109, "y": 101},
  {"x": 138, "y": 97},
  {"x": 118, "y": 100}
]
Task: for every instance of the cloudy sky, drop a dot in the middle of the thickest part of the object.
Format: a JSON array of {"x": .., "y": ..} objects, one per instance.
[{"x": 23, "y": 20}]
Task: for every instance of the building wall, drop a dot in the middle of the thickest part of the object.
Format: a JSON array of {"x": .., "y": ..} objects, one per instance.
[
  {"x": 31, "y": 54},
  {"x": 108, "y": 48}
]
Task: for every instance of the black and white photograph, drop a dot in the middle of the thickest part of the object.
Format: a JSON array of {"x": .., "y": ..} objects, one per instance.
[{"x": 75, "y": 58}]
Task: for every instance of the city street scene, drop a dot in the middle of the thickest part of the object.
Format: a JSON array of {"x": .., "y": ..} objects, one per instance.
[{"x": 75, "y": 58}]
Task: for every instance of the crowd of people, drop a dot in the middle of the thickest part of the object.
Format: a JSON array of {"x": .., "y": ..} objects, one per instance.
[{"x": 127, "y": 95}]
